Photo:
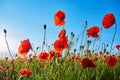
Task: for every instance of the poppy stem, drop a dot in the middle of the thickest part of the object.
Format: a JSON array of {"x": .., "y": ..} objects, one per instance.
[
  {"x": 7, "y": 43},
  {"x": 83, "y": 36},
  {"x": 63, "y": 26},
  {"x": 93, "y": 45},
  {"x": 114, "y": 74},
  {"x": 83, "y": 33},
  {"x": 44, "y": 37},
  {"x": 99, "y": 39},
  {"x": 103, "y": 46},
  {"x": 113, "y": 37},
  {"x": 35, "y": 52},
  {"x": 21, "y": 77}
]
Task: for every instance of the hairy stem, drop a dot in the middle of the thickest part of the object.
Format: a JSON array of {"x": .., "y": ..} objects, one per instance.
[
  {"x": 113, "y": 37},
  {"x": 44, "y": 37},
  {"x": 7, "y": 43}
]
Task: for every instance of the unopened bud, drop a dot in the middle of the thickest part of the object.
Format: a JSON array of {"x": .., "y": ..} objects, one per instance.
[
  {"x": 45, "y": 26},
  {"x": 5, "y": 31}
]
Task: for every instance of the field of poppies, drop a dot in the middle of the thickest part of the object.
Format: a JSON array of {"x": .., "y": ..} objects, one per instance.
[{"x": 62, "y": 62}]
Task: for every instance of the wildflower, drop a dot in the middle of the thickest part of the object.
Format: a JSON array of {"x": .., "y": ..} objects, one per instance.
[
  {"x": 111, "y": 60},
  {"x": 62, "y": 33},
  {"x": 93, "y": 32},
  {"x": 26, "y": 72},
  {"x": 12, "y": 68},
  {"x": 34, "y": 56},
  {"x": 1, "y": 67},
  {"x": 53, "y": 53},
  {"x": 87, "y": 63},
  {"x": 24, "y": 59},
  {"x": 96, "y": 54},
  {"x": 30, "y": 55},
  {"x": 43, "y": 56},
  {"x": 76, "y": 58},
  {"x": 42, "y": 64},
  {"x": 107, "y": 52},
  {"x": 61, "y": 44},
  {"x": 24, "y": 47},
  {"x": 4, "y": 78},
  {"x": 101, "y": 53},
  {"x": 95, "y": 59},
  {"x": 59, "y": 18},
  {"x": 88, "y": 52},
  {"x": 108, "y": 20},
  {"x": 58, "y": 53},
  {"x": 69, "y": 59},
  {"x": 118, "y": 46}
]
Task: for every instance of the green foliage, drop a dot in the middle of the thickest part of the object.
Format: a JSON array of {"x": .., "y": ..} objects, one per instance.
[{"x": 58, "y": 69}]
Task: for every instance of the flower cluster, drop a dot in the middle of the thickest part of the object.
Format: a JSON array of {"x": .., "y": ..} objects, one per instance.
[
  {"x": 53, "y": 59},
  {"x": 87, "y": 63},
  {"x": 26, "y": 72}
]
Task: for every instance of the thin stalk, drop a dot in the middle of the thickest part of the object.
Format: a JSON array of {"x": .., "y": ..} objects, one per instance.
[
  {"x": 113, "y": 37},
  {"x": 63, "y": 26},
  {"x": 8, "y": 48},
  {"x": 83, "y": 33},
  {"x": 103, "y": 46},
  {"x": 83, "y": 37},
  {"x": 7, "y": 43},
  {"x": 114, "y": 74},
  {"x": 44, "y": 38},
  {"x": 33, "y": 49},
  {"x": 21, "y": 77},
  {"x": 86, "y": 38},
  {"x": 94, "y": 44},
  {"x": 99, "y": 40}
]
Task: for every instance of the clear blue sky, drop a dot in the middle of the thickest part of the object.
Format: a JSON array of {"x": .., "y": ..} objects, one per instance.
[{"x": 25, "y": 19}]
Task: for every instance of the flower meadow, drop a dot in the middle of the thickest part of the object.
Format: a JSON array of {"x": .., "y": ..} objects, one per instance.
[{"x": 64, "y": 61}]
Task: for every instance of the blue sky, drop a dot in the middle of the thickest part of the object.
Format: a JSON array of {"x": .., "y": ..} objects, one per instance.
[{"x": 25, "y": 19}]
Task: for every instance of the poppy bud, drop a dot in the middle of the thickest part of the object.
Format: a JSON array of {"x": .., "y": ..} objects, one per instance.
[
  {"x": 45, "y": 26},
  {"x": 5, "y": 31}
]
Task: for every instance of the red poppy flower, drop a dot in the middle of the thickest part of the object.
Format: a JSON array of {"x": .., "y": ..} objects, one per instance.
[
  {"x": 95, "y": 59},
  {"x": 62, "y": 33},
  {"x": 76, "y": 58},
  {"x": 42, "y": 64},
  {"x": 87, "y": 63},
  {"x": 101, "y": 53},
  {"x": 24, "y": 47},
  {"x": 53, "y": 53},
  {"x": 93, "y": 32},
  {"x": 118, "y": 46},
  {"x": 26, "y": 72},
  {"x": 89, "y": 52},
  {"x": 96, "y": 54},
  {"x": 61, "y": 44},
  {"x": 58, "y": 53},
  {"x": 108, "y": 20},
  {"x": 111, "y": 60},
  {"x": 29, "y": 72},
  {"x": 59, "y": 18},
  {"x": 107, "y": 52},
  {"x": 43, "y": 56}
]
